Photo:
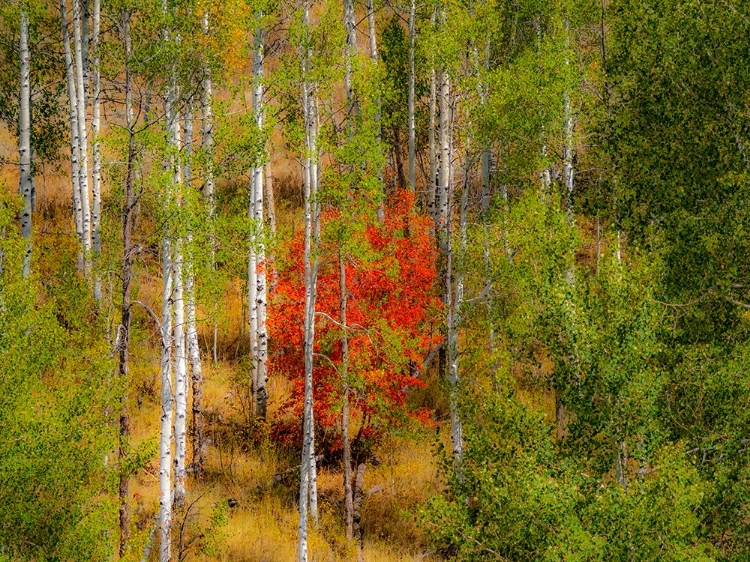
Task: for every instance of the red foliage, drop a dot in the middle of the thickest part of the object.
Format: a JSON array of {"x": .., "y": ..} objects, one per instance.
[{"x": 390, "y": 312}]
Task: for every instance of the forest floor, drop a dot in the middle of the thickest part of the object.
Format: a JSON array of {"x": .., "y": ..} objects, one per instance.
[{"x": 246, "y": 509}]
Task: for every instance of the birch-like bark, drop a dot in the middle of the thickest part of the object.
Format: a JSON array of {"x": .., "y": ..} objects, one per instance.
[
  {"x": 350, "y": 24},
  {"x": 345, "y": 441},
  {"x": 24, "y": 139},
  {"x": 271, "y": 213},
  {"x": 568, "y": 171},
  {"x": 74, "y": 143},
  {"x": 96, "y": 173},
  {"x": 454, "y": 314},
  {"x": 257, "y": 302},
  {"x": 193, "y": 347},
  {"x": 411, "y": 123},
  {"x": 443, "y": 227},
  {"x": 83, "y": 144},
  {"x": 207, "y": 145},
  {"x": 311, "y": 266},
  {"x": 444, "y": 175},
  {"x": 180, "y": 347},
  {"x": 126, "y": 276},
  {"x": 374, "y": 56},
  {"x": 181, "y": 376},
  {"x": 167, "y": 397},
  {"x": 357, "y": 497}
]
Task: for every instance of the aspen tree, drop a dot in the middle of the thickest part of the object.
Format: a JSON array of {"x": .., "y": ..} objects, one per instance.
[
  {"x": 96, "y": 172},
  {"x": 178, "y": 296},
  {"x": 350, "y": 56},
  {"x": 167, "y": 399},
  {"x": 24, "y": 137},
  {"x": 191, "y": 334},
  {"x": 83, "y": 144},
  {"x": 128, "y": 211},
  {"x": 172, "y": 335},
  {"x": 207, "y": 146},
  {"x": 257, "y": 297},
  {"x": 374, "y": 57},
  {"x": 411, "y": 123},
  {"x": 449, "y": 358},
  {"x": 312, "y": 233},
  {"x": 74, "y": 144}
]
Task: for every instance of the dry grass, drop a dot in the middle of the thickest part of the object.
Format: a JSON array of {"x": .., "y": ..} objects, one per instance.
[{"x": 261, "y": 525}]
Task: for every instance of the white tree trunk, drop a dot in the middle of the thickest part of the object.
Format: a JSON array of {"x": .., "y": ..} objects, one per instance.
[
  {"x": 193, "y": 347},
  {"x": 350, "y": 24},
  {"x": 374, "y": 56},
  {"x": 181, "y": 378},
  {"x": 345, "y": 441},
  {"x": 74, "y": 142},
  {"x": 83, "y": 145},
  {"x": 411, "y": 124},
  {"x": 24, "y": 139},
  {"x": 257, "y": 266},
  {"x": 445, "y": 173},
  {"x": 167, "y": 394},
  {"x": 207, "y": 145},
  {"x": 454, "y": 316},
  {"x": 271, "y": 213},
  {"x": 568, "y": 172},
  {"x": 181, "y": 384},
  {"x": 96, "y": 173},
  {"x": 311, "y": 236}
]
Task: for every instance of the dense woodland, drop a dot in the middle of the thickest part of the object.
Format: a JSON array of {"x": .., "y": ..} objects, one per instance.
[{"x": 375, "y": 280}]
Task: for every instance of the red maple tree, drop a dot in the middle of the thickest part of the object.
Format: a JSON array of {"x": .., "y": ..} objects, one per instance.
[{"x": 392, "y": 314}]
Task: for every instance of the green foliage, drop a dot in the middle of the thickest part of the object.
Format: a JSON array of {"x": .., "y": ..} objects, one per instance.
[{"x": 55, "y": 414}]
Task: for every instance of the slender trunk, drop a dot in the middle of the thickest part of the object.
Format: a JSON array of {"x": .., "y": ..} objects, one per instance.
[
  {"x": 193, "y": 347},
  {"x": 313, "y": 490},
  {"x": 444, "y": 183},
  {"x": 96, "y": 173},
  {"x": 345, "y": 441},
  {"x": 374, "y": 57},
  {"x": 167, "y": 397},
  {"x": 127, "y": 274},
  {"x": 271, "y": 213},
  {"x": 350, "y": 24},
  {"x": 74, "y": 143},
  {"x": 257, "y": 282},
  {"x": 449, "y": 359},
  {"x": 568, "y": 171},
  {"x": 357, "y": 497},
  {"x": 398, "y": 159},
  {"x": 24, "y": 140},
  {"x": 178, "y": 298},
  {"x": 621, "y": 465},
  {"x": 486, "y": 166},
  {"x": 181, "y": 376},
  {"x": 432, "y": 184},
  {"x": 311, "y": 266},
  {"x": 209, "y": 189},
  {"x": 411, "y": 124},
  {"x": 83, "y": 145},
  {"x": 454, "y": 314},
  {"x": 85, "y": 44},
  {"x": 199, "y": 442}
]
